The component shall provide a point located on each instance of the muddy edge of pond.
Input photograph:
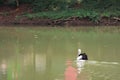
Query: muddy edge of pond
(60, 22)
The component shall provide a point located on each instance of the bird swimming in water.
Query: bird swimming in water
(81, 56)
(81, 59)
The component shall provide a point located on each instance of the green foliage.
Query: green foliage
(42, 5)
(81, 13)
(101, 4)
(93, 15)
(111, 13)
(62, 9)
(89, 3)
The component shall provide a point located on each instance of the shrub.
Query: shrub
(101, 4)
(42, 5)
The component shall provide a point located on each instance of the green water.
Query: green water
(37, 53)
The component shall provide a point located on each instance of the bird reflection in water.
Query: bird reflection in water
(3, 70)
(70, 71)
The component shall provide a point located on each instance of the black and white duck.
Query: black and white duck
(81, 56)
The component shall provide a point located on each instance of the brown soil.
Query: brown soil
(8, 17)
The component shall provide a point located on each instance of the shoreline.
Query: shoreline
(60, 22)
(12, 16)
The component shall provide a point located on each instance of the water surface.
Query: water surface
(37, 53)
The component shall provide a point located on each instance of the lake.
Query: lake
(49, 53)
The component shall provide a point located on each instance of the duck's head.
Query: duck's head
(79, 51)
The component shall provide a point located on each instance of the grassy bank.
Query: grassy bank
(93, 15)
(72, 16)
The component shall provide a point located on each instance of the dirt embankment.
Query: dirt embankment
(8, 16)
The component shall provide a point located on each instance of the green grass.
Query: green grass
(94, 15)
(63, 14)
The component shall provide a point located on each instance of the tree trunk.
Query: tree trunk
(17, 3)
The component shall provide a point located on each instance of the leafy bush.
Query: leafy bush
(42, 5)
(101, 4)
(81, 13)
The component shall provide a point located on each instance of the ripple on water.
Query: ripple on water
(102, 62)
(102, 70)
